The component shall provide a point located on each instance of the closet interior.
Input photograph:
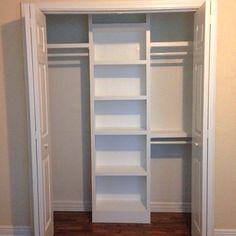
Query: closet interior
(120, 89)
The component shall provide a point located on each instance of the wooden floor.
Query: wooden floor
(162, 224)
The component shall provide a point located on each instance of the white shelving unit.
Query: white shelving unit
(119, 74)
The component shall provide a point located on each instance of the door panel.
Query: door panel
(40, 65)
(199, 124)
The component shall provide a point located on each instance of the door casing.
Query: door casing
(91, 7)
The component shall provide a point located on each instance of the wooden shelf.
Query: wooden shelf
(119, 98)
(120, 171)
(123, 131)
(169, 134)
(120, 205)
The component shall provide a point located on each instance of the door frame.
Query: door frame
(114, 6)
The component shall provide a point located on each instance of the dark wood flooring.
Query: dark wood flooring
(162, 224)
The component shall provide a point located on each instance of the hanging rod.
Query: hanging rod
(68, 54)
(64, 63)
(172, 44)
(170, 53)
(67, 45)
(171, 142)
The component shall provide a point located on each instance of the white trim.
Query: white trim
(225, 232)
(71, 206)
(11, 230)
(154, 206)
(171, 207)
(211, 121)
(105, 6)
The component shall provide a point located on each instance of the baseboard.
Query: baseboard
(155, 206)
(11, 230)
(170, 207)
(225, 232)
(71, 206)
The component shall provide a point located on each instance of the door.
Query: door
(200, 121)
(36, 45)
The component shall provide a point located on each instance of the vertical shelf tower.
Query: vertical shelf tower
(119, 47)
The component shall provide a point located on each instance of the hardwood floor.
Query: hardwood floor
(162, 224)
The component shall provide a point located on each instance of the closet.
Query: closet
(119, 99)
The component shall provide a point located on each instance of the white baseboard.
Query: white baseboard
(170, 207)
(225, 232)
(11, 230)
(155, 206)
(71, 206)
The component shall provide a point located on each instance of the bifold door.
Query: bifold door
(38, 82)
(200, 119)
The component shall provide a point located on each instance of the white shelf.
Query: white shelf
(117, 98)
(123, 62)
(169, 134)
(120, 205)
(172, 44)
(123, 131)
(67, 45)
(120, 171)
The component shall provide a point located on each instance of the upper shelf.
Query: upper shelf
(169, 134)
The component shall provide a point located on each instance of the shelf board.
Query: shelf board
(120, 171)
(123, 62)
(117, 98)
(115, 205)
(67, 45)
(120, 131)
(169, 134)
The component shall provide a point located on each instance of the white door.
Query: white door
(200, 118)
(39, 81)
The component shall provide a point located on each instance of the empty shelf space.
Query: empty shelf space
(116, 42)
(122, 98)
(120, 80)
(121, 153)
(120, 114)
(120, 171)
(123, 193)
(120, 205)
